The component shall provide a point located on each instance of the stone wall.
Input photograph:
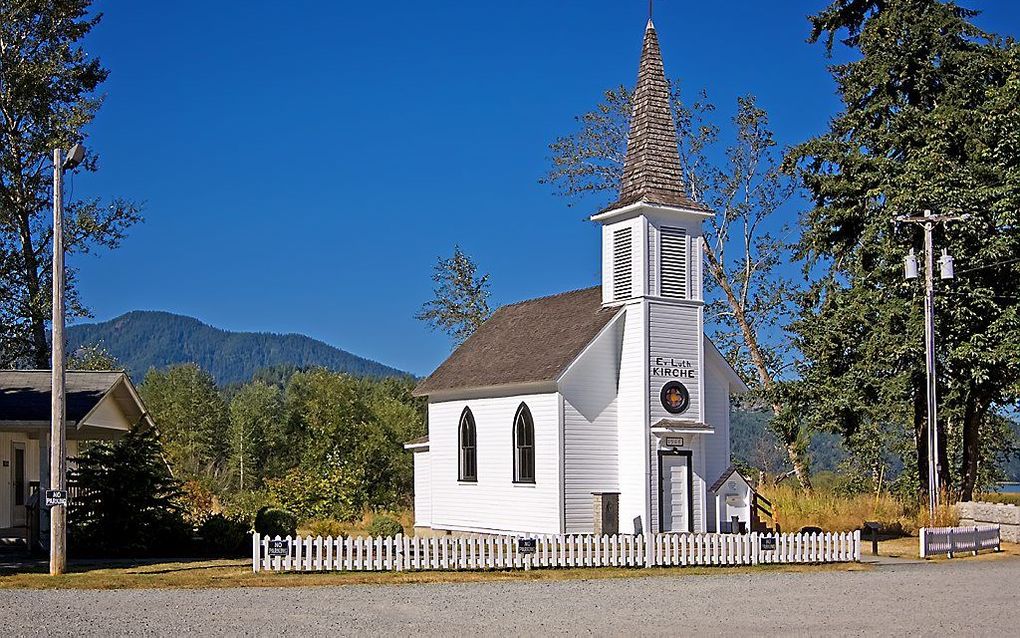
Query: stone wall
(981, 513)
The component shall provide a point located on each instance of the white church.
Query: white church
(598, 410)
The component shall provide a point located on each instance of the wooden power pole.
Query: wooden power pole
(58, 430)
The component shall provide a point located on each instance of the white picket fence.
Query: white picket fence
(406, 553)
(952, 540)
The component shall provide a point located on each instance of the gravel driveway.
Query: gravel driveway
(965, 597)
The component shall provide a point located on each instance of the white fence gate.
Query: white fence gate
(950, 540)
(404, 553)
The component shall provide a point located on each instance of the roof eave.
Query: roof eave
(636, 208)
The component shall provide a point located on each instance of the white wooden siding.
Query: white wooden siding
(7, 473)
(717, 414)
(632, 428)
(675, 333)
(422, 489)
(589, 427)
(495, 503)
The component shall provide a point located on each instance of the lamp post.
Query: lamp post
(58, 413)
(928, 221)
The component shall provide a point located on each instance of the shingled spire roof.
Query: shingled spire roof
(651, 170)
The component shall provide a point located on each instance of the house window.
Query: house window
(673, 259)
(524, 446)
(622, 266)
(468, 450)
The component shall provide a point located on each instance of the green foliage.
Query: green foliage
(244, 506)
(48, 96)
(460, 300)
(143, 340)
(225, 536)
(192, 419)
(256, 434)
(130, 507)
(92, 357)
(275, 521)
(326, 527)
(931, 121)
(384, 525)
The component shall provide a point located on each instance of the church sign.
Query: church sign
(672, 368)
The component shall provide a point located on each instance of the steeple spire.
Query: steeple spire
(651, 170)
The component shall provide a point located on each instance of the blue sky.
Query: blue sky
(303, 164)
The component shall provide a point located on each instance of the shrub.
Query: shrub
(327, 527)
(385, 525)
(197, 502)
(274, 521)
(244, 506)
(225, 536)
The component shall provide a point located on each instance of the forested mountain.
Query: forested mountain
(141, 340)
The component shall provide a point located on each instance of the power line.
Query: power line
(993, 265)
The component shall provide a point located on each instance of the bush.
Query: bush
(327, 527)
(274, 521)
(384, 525)
(225, 536)
(244, 506)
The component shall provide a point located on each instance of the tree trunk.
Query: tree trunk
(974, 413)
(787, 435)
(921, 438)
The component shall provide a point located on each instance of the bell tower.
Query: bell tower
(652, 269)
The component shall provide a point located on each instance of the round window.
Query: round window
(675, 397)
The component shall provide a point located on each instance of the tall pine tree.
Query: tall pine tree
(930, 121)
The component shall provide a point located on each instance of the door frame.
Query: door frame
(690, 486)
(17, 521)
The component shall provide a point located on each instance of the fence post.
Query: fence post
(857, 545)
(952, 543)
(256, 552)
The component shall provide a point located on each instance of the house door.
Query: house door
(675, 491)
(19, 486)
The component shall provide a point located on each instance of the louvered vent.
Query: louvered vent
(673, 255)
(622, 266)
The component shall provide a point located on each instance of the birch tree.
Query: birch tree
(745, 243)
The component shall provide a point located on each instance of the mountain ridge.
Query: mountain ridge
(146, 339)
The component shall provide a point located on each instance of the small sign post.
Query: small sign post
(56, 497)
(526, 547)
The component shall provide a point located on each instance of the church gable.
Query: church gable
(532, 341)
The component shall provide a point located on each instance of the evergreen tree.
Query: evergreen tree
(461, 297)
(930, 121)
(130, 506)
(48, 97)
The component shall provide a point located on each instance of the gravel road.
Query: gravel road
(962, 597)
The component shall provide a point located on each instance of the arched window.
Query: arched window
(524, 446)
(468, 452)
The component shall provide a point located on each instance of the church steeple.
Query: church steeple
(651, 170)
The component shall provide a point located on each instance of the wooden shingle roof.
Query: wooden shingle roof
(528, 342)
(651, 169)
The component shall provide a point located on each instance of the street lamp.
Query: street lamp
(928, 221)
(58, 413)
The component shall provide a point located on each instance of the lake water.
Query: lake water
(1008, 488)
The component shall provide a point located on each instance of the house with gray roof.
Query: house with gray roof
(597, 410)
(100, 405)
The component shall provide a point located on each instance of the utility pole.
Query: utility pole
(928, 221)
(58, 430)
(58, 412)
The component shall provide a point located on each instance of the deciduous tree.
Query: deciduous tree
(460, 300)
(48, 96)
